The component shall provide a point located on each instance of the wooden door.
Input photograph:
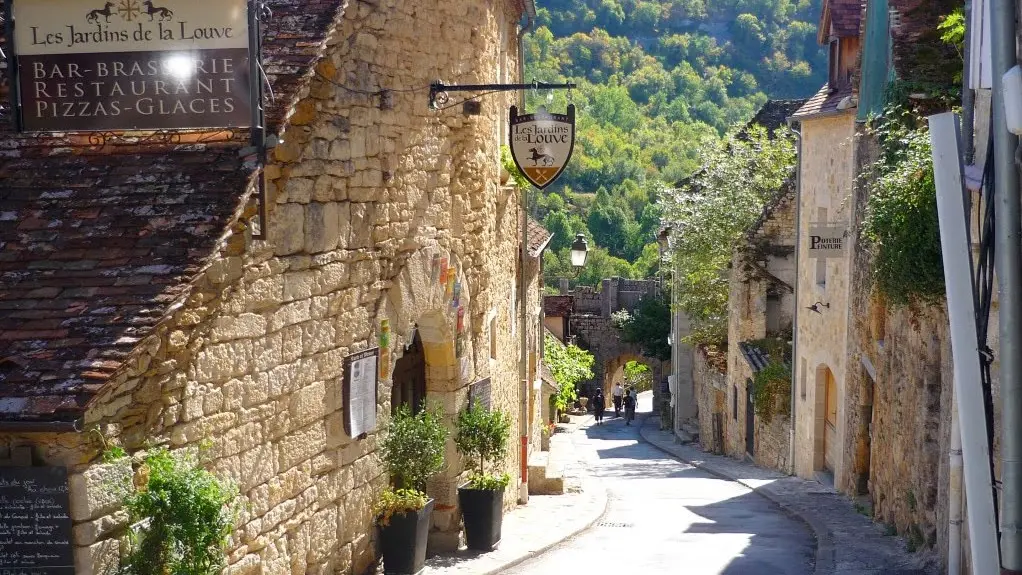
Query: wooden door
(830, 447)
(410, 378)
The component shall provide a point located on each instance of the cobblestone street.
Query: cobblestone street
(664, 514)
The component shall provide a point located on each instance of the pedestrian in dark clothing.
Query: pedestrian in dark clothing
(598, 406)
(629, 401)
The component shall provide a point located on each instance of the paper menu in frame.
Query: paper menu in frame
(360, 389)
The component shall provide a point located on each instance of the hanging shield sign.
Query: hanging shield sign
(541, 144)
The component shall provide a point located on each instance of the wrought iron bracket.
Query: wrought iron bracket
(439, 93)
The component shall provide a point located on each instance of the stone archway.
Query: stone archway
(419, 311)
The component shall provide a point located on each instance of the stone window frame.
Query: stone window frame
(491, 322)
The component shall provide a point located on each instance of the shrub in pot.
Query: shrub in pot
(481, 438)
(413, 451)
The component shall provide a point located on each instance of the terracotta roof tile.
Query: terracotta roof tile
(842, 18)
(823, 103)
(539, 237)
(77, 294)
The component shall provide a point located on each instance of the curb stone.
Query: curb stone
(825, 550)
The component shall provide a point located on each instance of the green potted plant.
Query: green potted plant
(481, 438)
(413, 451)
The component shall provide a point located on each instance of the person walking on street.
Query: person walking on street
(618, 393)
(629, 401)
(598, 406)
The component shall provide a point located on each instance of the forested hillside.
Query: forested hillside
(656, 77)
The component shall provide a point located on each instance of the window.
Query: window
(821, 263)
(834, 61)
(802, 378)
(734, 402)
(773, 312)
(493, 337)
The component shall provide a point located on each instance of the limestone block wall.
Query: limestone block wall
(369, 190)
(828, 170)
(713, 400)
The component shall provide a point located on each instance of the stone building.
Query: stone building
(761, 305)
(138, 307)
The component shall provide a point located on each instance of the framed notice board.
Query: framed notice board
(361, 378)
(35, 521)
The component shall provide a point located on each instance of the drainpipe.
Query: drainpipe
(954, 553)
(794, 316)
(1008, 254)
(968, 94)
(523, 368)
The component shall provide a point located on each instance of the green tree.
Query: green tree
(649, 327)
(570, 366)
(709, 214)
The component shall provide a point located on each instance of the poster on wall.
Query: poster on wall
(360, 388)
(541, 144)
(130, 64)
(35, 521)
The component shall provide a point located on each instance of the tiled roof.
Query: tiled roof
(92, 251)
(539, 237)
(823, 103)
(775, 113)
(96, 241)
(844, 18)
(558, 305)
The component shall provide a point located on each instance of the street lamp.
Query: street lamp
(579, 253)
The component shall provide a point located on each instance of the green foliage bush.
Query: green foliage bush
(185, 514)
(649, 327)
(413, 448)
(901, 224)
(482, 437)
(771, 386)
(570, 365)
(398, 501)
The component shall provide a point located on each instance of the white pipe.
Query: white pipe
(968, 392)
(954, 553)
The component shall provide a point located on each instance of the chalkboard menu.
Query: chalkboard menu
(479, 393)
(35, 522)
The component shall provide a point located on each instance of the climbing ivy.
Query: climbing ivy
(771, 386)
(900, 225)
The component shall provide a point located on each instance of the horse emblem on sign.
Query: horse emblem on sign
(541, 144)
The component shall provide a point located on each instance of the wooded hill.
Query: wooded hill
(656, 78)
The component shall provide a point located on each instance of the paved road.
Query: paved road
(668, 517)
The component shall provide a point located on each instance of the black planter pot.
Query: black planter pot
(403, 541)
(482, 510)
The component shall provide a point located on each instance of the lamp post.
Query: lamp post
(579, 253)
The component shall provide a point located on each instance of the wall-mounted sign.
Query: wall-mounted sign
(130, 64)
(827, 240)
(35, 522)
(480, 393)
(359, 388)
(541, 144)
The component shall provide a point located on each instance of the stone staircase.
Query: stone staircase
(553, 472)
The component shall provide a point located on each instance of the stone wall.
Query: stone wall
(368, 191)
(828, 170)
(712, 400)
(761, 304)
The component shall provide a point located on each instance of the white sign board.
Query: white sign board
(359, 388)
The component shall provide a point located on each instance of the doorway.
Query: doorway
(410, 378)
(864, 435)
(830, 447)
(750, 420)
